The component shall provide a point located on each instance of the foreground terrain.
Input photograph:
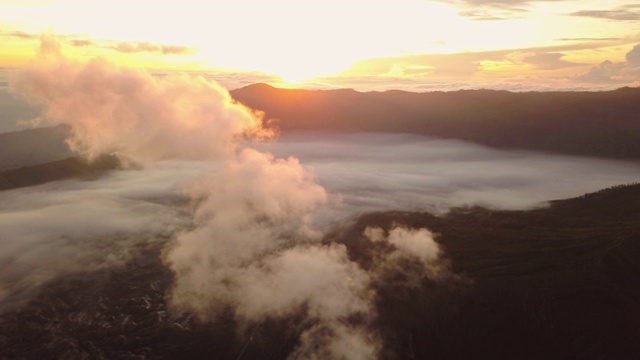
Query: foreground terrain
(553, 283)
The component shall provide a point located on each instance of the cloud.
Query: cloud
(491, 14)
(55, 229)
(80, 41)
(465, 65)
(255, 249)
(146, 47)
(499, 2)
(588, 39)
(418, 243)
(248, 241)
(633, 56)
(545, 60)
(20, 35)
(235, 79)
(126, 110)
(610, 72)
(49, 46)
(489, 10)
(405, 257)
(500, 69)
(620, 15)
(431, 66)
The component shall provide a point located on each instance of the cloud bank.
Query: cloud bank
(377, 171)
(622, 72)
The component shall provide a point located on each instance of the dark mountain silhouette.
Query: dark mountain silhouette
(601, 124)
(33, 146)
(56, 170)
(553, 283)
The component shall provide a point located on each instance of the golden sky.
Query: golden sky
(406, 44)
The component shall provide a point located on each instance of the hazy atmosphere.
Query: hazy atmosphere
(409, 44)
(319, 180)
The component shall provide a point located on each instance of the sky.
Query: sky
(415, 45)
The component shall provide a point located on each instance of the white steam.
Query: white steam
(119, 109)
(251, 243)
(408, 244)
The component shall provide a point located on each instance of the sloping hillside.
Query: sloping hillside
(56, 170)
(602, 124)
(554, 283)
(33, 146)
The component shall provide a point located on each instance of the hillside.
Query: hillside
(601, 124)
(33, 146)
(554, 283)
(56, 170)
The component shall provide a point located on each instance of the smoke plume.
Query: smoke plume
(112, 108)
(250, 242)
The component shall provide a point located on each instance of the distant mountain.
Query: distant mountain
(16, 112)
(553, 283)
(33, 146)
(601, 124)
(56, 170)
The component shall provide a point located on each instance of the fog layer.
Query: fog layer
(381, 171)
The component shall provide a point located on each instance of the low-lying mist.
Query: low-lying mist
(382, 171)
(74, 225)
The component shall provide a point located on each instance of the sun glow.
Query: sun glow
(302, 41)
(294, 40)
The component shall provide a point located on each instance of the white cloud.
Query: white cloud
(249, 242)
(623, 72)
(112, 108)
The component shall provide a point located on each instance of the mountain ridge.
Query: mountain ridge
(597, 124)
